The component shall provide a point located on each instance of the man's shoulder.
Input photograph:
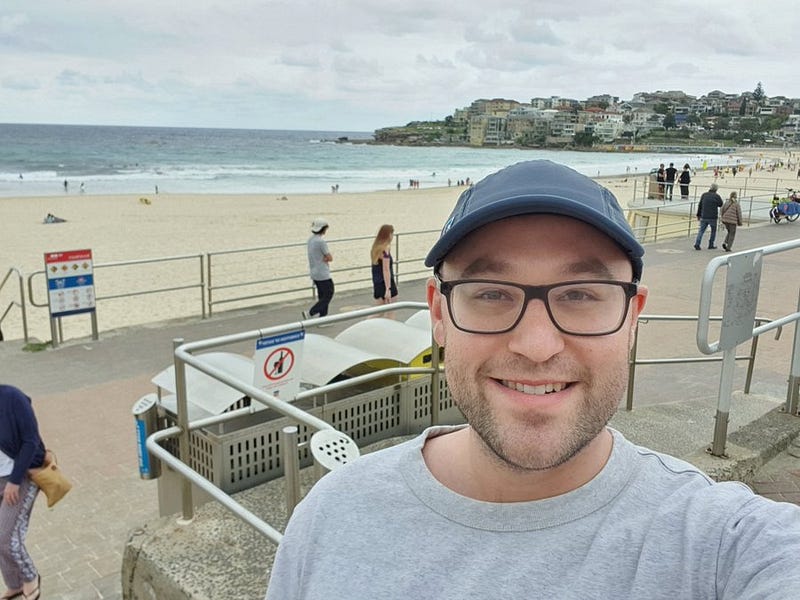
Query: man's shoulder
(677, 481)
(372, 467)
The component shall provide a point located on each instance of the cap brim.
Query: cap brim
(537, 187)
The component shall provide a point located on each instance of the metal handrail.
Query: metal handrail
(752, 259)
(634, 360)
(21, 303)
(184, 356)
(126, 263)
(299, 249)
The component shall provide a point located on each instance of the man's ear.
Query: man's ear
(637, 306)
(436, 305)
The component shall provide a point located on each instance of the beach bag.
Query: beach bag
(50, 479)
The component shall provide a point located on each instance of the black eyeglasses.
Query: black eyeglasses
(585, 307)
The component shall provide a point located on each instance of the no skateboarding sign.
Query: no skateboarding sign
(277, 361)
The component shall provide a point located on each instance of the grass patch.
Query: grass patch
(36, 346)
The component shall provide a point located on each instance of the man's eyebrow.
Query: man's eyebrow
(591, 266)
(483, 267)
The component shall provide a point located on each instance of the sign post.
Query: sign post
(70, 287)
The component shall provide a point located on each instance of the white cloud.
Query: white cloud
(361, 64)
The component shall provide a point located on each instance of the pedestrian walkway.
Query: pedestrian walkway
(779, 479)
(83, 394)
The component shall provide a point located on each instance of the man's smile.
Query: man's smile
(535, 390)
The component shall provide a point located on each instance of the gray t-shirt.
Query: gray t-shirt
(317, 267)
(648, 526)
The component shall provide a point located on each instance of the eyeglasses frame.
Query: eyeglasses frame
(538, 292)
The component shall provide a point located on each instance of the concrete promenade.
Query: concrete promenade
(84, 390)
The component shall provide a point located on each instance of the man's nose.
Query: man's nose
(536, 337)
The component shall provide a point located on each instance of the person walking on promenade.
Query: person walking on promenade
(707, 214)
(661, 177)
(21, 448)
(684, 179)
(731, 217)
(669, 175)
(536, 497)
(384, 287)
(319, 259)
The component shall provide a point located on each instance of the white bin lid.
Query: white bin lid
(388, 337)
(324, 359)
(170, 403)
(421, 320)
(208, 394)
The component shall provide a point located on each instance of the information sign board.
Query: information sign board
(70, 282)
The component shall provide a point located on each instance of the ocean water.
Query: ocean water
(37, 159)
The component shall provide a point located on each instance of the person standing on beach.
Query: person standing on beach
(384, 287)
(670, 174)
(731, 217)
(707, 214)
(685, 178)
(319, 259)
(536, 496)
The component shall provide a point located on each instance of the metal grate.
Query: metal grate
(249, 454)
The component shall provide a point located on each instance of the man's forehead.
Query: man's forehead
(569, 246)
(589, 266)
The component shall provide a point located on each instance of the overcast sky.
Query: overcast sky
(356, 65)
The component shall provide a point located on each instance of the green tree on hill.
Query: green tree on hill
(758, 93)
(584, 139)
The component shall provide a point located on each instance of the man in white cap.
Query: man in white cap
(319, 258)
(535, 298)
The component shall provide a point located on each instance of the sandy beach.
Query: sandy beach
(126, 228)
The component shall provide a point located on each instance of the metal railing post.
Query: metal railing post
(209, 285)
(21, 281)
(632, 368)
(724, 402)
(184, 449)
(751, 361)
(22, 306)
(435, 383)
(291, 467)
(397, 258)
(794, 373)
(655, 232)
(202, 287)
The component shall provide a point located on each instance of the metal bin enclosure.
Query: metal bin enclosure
(246, 452)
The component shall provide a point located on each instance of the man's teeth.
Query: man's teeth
(537, 390)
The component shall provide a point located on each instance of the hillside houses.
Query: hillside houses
(559, 121)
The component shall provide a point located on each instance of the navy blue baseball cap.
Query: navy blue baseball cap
(537, 187)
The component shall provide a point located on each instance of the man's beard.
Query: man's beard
(541, 441)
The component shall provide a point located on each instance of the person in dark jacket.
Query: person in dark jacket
(685, 178)
(21, 448)
(707, 214)
(669, 174)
